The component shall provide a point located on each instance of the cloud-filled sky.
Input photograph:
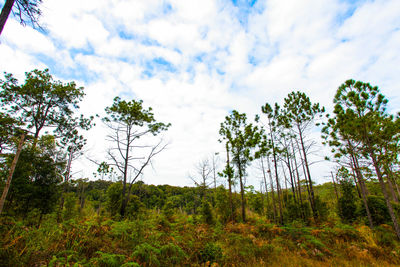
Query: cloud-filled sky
(194, 61)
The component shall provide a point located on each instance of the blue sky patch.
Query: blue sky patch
(244, 9)
(158, 65)
(352, 7)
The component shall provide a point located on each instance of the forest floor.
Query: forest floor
(180, 240)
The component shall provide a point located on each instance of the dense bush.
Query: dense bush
(347, 202)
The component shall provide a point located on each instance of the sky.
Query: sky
(195, 61)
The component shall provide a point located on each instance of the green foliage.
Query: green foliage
(206, 213)
(132, 113)
(107, 259)
(135, 207)
(171, 255)
(8, 131)
(222, 204)
(241, 138)
(347, 202)
(114, 193)
(70, 207)
(256, 202)
(297, 211)
(385, 236)
(147, 254)
(129, 121)
(321, 208)
(36, 178)
(210, 253)
(130, 264)
(42, 102)
(378, 209)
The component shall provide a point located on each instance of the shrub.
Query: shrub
(135, 207)
(347, 203)
(107, 260)
(210, 253)
(146, 253)
(69, 206)
(113, 203)
(206, 213)
(379, 211)
(171, 255)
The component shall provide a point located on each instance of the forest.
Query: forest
(50, 218)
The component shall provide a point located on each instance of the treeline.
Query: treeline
(41, 137)
(362, 135)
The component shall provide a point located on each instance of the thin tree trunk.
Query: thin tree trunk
(276, 172)
(364, 192)
(277, 184)
(390, 184)
(308, 173)
(11, 172)
(272, 188)
(285, 193)
(385, 194)
(298, 179)
(305, 175)
(66, 179)
(268, 204)
(334, 186)
(355, 181)
(229, 182)
(265, 182)
(215, 180)
(125, 175)
(242, 192)
(5, 13)
(291, 178)
(394, 182)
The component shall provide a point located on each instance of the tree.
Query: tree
(347, 202)
(345, 151)
(27, 11)
(228, 171)
(8, 131)
(360, 112)
(202, 177)
(242, 137)
(129, 121)
(299, 114)
(269, 147)
(11, 172)
(43, 103)
(37, 176)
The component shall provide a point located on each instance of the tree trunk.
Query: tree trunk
(242, 192)
(291, 178)
(229, 182)
(385, 194)
(390, 183)
(360, 179)
(298, 179)
(355, 181)
(5, 12)
(265, 183)
(277, 181)
(334, 186)
(308, 173)
(305, 176)
(394, 181)
(272, 189)
(125, 175)
(11, 172)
